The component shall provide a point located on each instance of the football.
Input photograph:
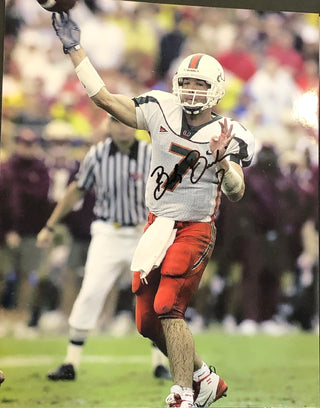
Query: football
(2, 377)
(57, 5)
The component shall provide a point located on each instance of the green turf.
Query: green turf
(261, 371)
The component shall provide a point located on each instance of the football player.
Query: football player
(196, 155)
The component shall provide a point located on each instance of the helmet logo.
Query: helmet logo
(220, 77)
(194, 63)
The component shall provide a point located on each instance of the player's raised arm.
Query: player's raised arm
(120, 106)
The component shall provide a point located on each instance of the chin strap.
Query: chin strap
(192, 111)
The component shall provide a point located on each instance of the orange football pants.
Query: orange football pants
(171, 287)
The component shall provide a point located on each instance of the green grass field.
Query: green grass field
(261, 371)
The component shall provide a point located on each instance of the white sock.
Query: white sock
(74, 352)
(158, 358)
(77, 339)
(202, 372)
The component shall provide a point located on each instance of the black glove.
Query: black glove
(67, 31)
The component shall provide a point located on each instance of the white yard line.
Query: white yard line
(25, 361)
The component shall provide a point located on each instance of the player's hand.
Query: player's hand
(219, 144)
(45, 238)
(67, 31)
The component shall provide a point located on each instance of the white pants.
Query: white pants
(109, 258)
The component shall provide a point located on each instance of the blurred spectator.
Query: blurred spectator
(78, 223)
(141, 42)
(303, 302)
(59, 137)
(282, 49)
(308, 78)
(105, 55)
(32, 50)
(7, 144)
(14, 20)
(70, 108)
(4, 211)
(263, 255)
(92, 5)
(24, 181)
(235, 88)
(295, 191)
(214, 30)
(12, 91)
(31, 13)
(272, 91)
(34, 110)
(170, 47)
(139, 32)
(239, 60)
(253, 237)
(64, 164)
(300, 297)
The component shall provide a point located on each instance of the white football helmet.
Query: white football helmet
(199, 66)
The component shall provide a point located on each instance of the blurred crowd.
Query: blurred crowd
(264, 270)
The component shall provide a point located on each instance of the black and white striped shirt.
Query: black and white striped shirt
(119, 181)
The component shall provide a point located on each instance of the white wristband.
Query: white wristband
(231, 181)
(89, 77)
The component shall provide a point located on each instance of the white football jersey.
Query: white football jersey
(182, 182)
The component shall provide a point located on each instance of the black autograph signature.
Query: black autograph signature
(193, 161)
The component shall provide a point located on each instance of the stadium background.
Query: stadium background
(131, 44)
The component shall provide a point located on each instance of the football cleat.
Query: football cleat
(209, 389)
(162, 372)
(179, 397)
(65, 372)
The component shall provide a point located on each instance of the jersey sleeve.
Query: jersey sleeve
(241, 147)
(147, 105)
(141, 120)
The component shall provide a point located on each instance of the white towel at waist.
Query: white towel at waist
(153, 246)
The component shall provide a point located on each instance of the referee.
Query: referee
(117, 169)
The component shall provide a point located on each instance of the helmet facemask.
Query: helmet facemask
(208, 70)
